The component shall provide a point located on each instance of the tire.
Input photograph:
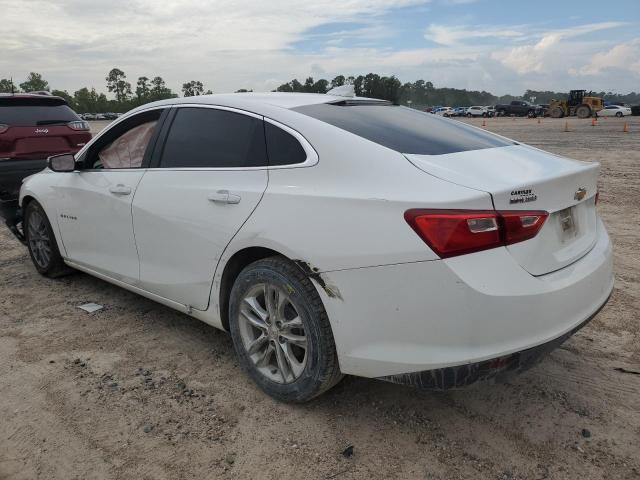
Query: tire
(279, 363)
(557, 112)
(469, 115)
(619, 114)
(484, 114)
(502, 113)
(41, 242)
(583, 111)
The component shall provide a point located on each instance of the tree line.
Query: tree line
(418, 94)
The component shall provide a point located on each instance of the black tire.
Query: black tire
(321, 370)
(469, 115)
(619, 114)
(41, 242)
(583, 111)
(501, 113)
(484, 114)
(557, 112)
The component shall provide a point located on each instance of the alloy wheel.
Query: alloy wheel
(273, 333)
(39, 240)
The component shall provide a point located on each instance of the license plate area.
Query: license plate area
(567, 222)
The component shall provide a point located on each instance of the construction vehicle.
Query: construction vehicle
(578, 104)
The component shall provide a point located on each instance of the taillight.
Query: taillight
(78, 125)
(3, 127)
(456, 232)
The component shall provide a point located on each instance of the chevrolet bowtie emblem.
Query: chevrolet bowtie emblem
(580, 194)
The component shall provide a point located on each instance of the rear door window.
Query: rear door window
(403, 129)
(214, 138)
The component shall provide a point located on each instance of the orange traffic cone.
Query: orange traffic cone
(594, 122)
(484, 123)
(538, 120)
(626, 128)
(566, 126)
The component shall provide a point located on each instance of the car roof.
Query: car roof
(254, 101)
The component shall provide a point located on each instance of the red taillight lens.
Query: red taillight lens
(521, 226)
(457, 232)
(3, 127)
(78, 125)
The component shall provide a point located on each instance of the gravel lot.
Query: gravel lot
(139, 391)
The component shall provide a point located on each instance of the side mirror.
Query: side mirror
(64, 162)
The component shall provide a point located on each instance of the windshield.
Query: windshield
(403, 129)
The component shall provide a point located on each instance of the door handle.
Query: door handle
(120, 189)
(223, 196)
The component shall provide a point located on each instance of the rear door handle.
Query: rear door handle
(120, 189)
(224, 196)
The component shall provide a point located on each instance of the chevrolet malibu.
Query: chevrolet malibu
(332, 235)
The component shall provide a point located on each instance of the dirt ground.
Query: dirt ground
(139, 391)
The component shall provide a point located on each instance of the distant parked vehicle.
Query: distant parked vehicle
(518, 108)
(477, 111)
(446, 112)
(491, 111)
(635, 110)
(110, 116)
(614, 111)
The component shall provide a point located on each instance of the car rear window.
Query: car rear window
(403, 129)
(29, 112)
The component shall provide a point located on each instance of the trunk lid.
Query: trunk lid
(520, 177)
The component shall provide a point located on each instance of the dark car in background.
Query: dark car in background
(32, 128)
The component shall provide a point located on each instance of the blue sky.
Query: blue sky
(496, 45)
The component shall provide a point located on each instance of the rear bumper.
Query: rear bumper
(413, 317)
(12, 172)
(496, 370)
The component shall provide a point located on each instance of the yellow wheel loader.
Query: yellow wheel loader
(578, 104)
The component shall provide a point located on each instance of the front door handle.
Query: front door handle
(224, 196)
(120, 189)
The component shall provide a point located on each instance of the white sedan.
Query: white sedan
(332, 235)
(614, 111)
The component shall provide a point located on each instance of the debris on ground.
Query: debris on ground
(90, 307)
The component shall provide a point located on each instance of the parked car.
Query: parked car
(478, 111)
(88, 116)
(446, 112)
(332, 235)
(110, 116)
(518, 108)
(613, 111)
(33, 127)
(491, 111)
(635, 110)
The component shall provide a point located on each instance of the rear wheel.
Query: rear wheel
(618, 114)
(281, 331)
(583, 111)
(41, 242)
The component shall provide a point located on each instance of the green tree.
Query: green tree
(243, 90)
(117, 83)
(7, 86)
(34, 83)
(338, 81)
(192, 88)
(143, 89)
(159, 90)
(87, 100)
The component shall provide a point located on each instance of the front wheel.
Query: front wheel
(281, 331)
(41, 242)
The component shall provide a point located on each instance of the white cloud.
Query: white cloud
(625, 56)
(456, 35)
(548, 50)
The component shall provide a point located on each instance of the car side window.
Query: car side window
(282, 147)
(125, 145)
(214, 138)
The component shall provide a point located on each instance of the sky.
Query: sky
(496, 45)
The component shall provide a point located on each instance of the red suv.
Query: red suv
(33, 127)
